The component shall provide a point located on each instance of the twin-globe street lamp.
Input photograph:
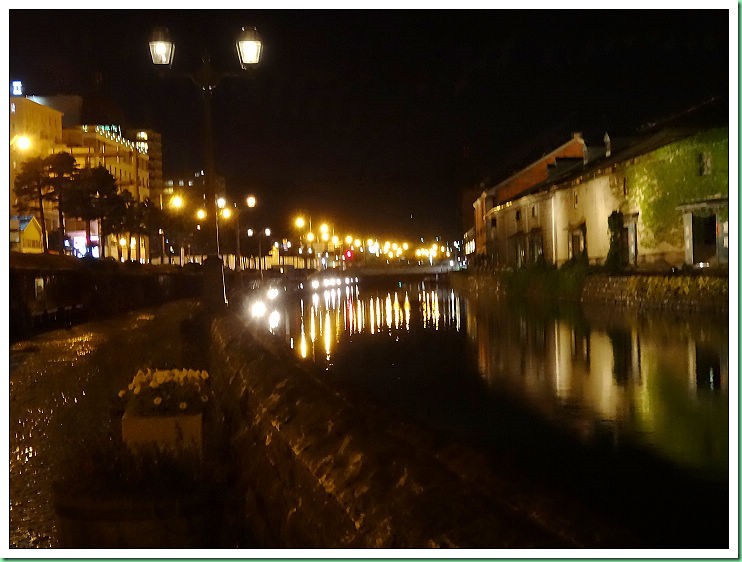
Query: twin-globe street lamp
(206, 78)
(266, 232)
(226, 212)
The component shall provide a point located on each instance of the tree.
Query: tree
(152, 223)
(61, 173)
(88, 198)
(114, 212)
(156, 222)
(31, 185)
(133, 222)
(178, 227)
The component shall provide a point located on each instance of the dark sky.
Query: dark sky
(379, 119)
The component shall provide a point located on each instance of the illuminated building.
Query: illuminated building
(35, 131)
(49, 124)
(103, 145)
(666, 191)
(150, 142)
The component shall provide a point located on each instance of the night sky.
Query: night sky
(380, 120)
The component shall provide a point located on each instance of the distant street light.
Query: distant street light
(176, 202)
(20, 142)
(206, 78)
(226, 212)
(251, 202)
(264, 233)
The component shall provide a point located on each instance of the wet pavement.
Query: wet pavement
(63, 386)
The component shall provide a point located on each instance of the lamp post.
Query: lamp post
(306, 239)
(206, 79)
(250, 201)
(265, 232)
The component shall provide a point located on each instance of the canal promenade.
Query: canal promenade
(62, 387)
(63, 384)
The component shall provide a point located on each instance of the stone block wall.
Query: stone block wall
(316, 471)
(686, 293)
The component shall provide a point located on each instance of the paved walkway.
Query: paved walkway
(63, 385)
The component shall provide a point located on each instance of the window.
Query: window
(534, 211)
(493, 223)
(574, 198)
(517, 215)
(38, 288)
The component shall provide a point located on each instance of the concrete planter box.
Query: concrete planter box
(169, 431)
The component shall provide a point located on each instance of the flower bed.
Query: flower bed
(155, 485)
(164, 408)
(166, 391)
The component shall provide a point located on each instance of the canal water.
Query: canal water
(628, 411)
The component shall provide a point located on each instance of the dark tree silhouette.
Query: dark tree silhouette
(31, 187)
(61, 173)
(87, 198)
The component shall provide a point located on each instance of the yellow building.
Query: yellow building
(103, 145)
(35, 131)
(150, 142)
(25, 235)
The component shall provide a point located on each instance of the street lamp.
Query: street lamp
(265, 232)
(206, 78)
(251, 202)
(226, 213)
(175, 204)
(249, 47)
(21, 143)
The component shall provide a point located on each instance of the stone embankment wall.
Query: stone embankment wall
(672, 292)
(683, 293)
(317, 471)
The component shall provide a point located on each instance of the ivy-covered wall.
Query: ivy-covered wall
(691, 169)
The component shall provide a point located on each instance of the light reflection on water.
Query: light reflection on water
(344, 313)
(650, 379)
(647, 379)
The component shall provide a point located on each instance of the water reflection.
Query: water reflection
(661, 382)
(645, 379)
(318, 321)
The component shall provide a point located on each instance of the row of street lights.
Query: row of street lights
(324, 248)
(224, 212)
